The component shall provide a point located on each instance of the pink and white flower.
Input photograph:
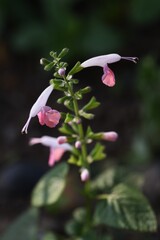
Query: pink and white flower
(56, 150)
(38, 105)
(108, 77)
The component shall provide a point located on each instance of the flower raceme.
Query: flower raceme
(108, 77)
(45, 114)
(56, 150)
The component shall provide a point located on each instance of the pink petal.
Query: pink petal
(55, 155)
(48, 117)
(108, 78)
(52, 118)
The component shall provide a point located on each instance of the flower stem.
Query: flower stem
(80, 126)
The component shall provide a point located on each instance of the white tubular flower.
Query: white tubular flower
(38, 105)
(108, 77)
(56, 150)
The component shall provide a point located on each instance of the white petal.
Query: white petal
(102, 60)
(41, 102)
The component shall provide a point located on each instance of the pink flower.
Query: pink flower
(56, 150)
(108, 77)
(84, 175)
(38, 105)
(49, 117)
(110, 136)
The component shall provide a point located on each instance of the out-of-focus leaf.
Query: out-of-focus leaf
(49, 236)
(50, 187)
(125, 208)
(24, 227)
(151, 13)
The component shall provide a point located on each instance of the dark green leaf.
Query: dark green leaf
(77, 67)
(126, 208)
(50, 187)
(91, 104)
(24, 227)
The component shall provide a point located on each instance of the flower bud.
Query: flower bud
(61, 71)
(85, 175)
(77, 144)
(110, 136)
(62, 139)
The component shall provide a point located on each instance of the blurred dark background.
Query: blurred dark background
(29, 30)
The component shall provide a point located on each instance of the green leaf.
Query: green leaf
(63, 99)
(69, 104)
(24, 227)
(66, 129)
(77, 67)
(63, 52)
(97, 153)
(86, 115)
(58, 84)
(69, 117)
(76, 225)
(49, 66)
(75, 160)
(91, 104)
(50, 187)
(79, 94)
(125, 208)
(49, 236)
(85, 90)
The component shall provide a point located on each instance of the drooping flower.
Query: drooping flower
(84, 175)
(38, 105)
(56, 150)
(110, 136)
(108, 77)
(49, 117)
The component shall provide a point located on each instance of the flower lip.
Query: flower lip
(49, 117)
